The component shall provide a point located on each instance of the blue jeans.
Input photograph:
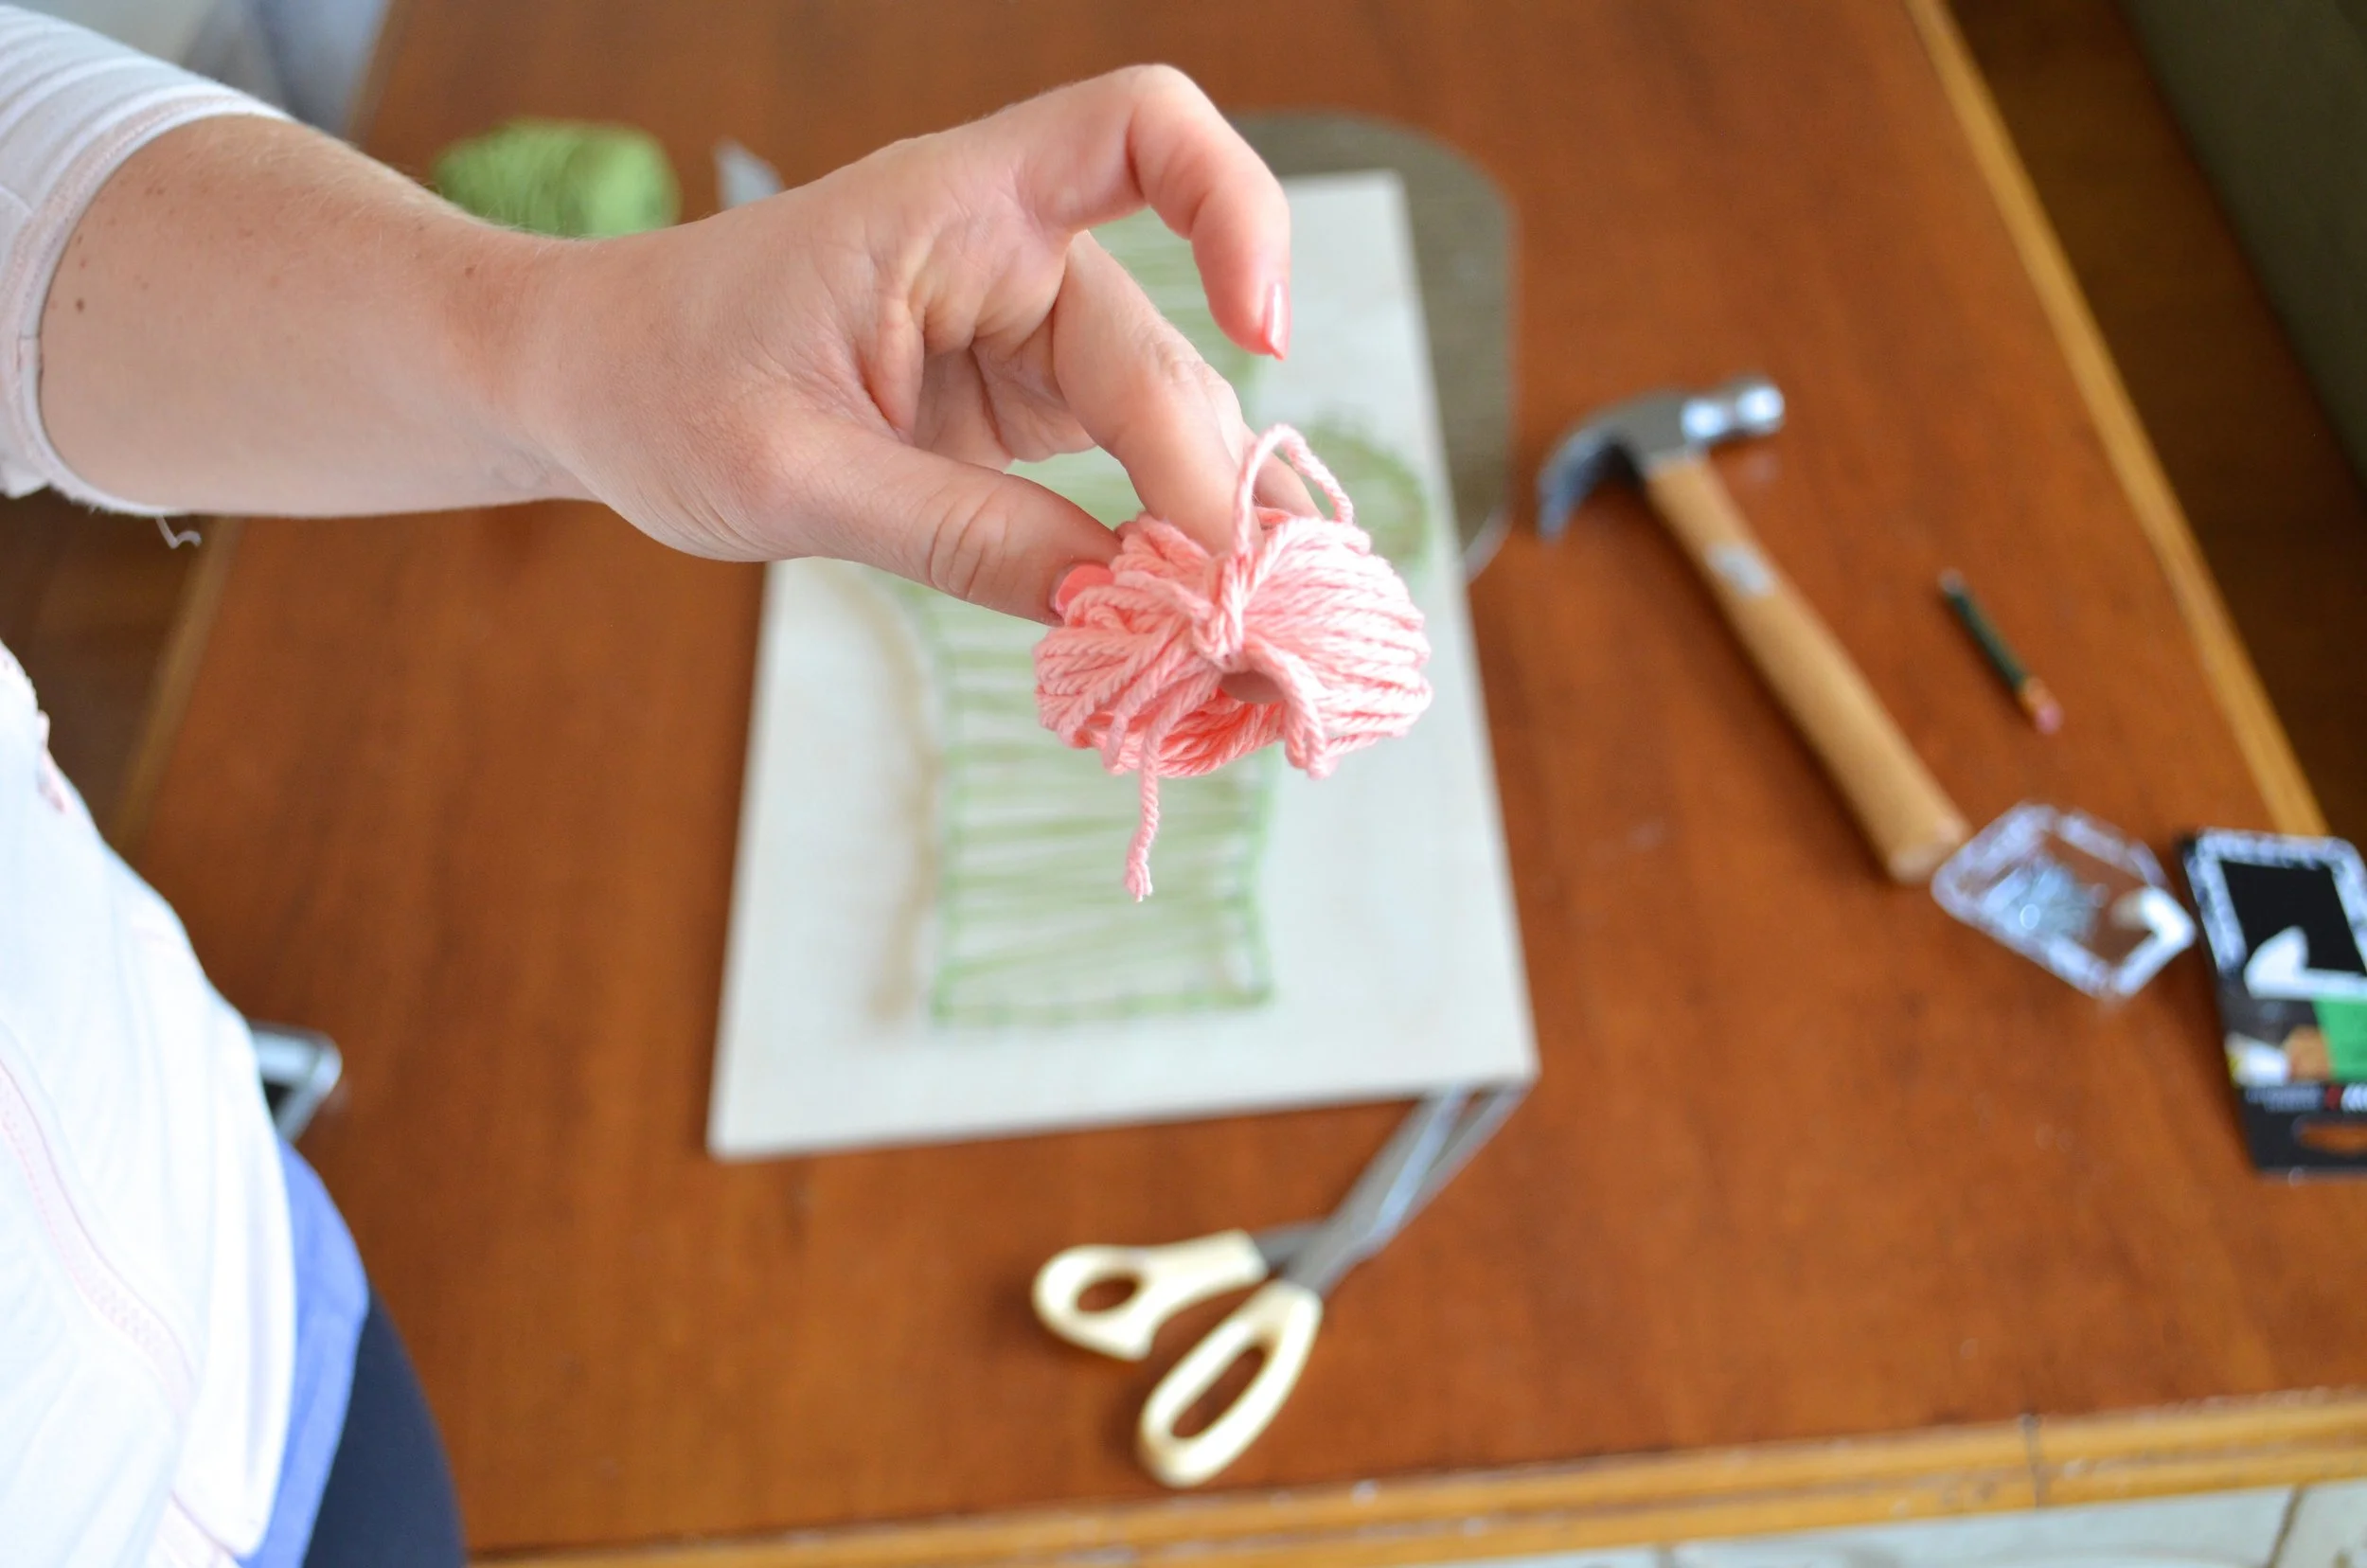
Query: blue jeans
(389, 1500)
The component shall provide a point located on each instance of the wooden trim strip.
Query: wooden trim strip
(169, 689)
(2206, 1447)
(2292, 805)
(2283, 1440)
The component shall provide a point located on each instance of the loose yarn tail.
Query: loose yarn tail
(1138, 851)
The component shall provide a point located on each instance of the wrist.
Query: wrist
(508, 324)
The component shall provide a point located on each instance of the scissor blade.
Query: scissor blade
(1481, 1117)
(1433, 1143)
(1377, 1204)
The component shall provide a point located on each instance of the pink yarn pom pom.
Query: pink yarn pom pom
(1136, 666)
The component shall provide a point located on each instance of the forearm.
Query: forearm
(251, 318)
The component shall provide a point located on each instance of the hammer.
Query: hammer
(1659, 438)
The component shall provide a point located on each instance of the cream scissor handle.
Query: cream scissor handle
(1165, 1280)
(1280, 1320)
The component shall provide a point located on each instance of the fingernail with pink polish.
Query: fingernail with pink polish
(1075, 581)
(1278, 320)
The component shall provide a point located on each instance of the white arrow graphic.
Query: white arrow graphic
(2279, 970)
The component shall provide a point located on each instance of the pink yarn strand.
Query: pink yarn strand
(1300, 457)
(1136, 667)
(1138, 852)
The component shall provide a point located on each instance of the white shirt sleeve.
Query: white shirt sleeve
(73, 107)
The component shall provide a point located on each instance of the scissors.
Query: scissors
(1295, 1268)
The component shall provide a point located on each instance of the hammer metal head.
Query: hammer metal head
(1637, 436)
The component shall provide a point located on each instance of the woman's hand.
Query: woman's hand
(846, 369)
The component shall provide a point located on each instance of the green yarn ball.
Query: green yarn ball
(562, 177)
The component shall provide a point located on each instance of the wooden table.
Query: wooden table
(1807, 1162)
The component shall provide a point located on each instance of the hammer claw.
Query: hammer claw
(1570, 476)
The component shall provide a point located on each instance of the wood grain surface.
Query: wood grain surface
(1808, 1159)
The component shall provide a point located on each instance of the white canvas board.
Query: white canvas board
(1387, 909)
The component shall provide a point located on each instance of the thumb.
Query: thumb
(991, 537)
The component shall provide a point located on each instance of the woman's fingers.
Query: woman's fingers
(993, 539)
(1280, 487)
(1143, 395)
(1099, 150)
(1146, 398)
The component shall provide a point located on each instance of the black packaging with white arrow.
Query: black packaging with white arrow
(2287, 923)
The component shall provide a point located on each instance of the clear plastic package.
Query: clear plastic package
(2070, 893)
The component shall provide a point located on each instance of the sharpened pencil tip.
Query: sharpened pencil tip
(2046, 714)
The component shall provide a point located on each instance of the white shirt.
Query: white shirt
(73, 106)
(147, 1292)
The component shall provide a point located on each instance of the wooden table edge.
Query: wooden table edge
(2278, 1440)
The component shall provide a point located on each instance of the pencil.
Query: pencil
(2031, 692)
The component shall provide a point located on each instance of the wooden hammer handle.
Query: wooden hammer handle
(1906, 816)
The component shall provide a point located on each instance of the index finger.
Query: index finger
(1094, 151)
